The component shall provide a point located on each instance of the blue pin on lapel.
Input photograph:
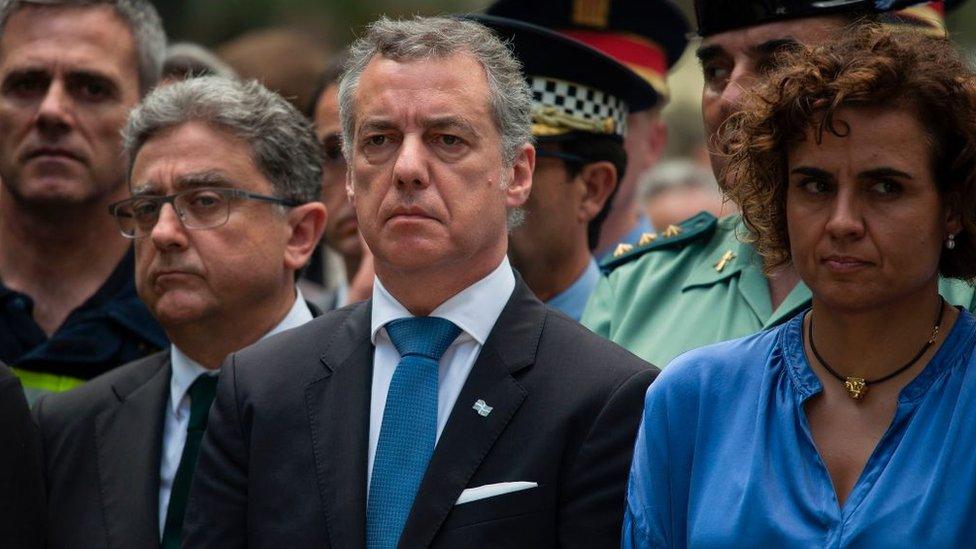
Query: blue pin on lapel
(482, 408)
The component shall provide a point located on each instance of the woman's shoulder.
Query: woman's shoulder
(728, 366)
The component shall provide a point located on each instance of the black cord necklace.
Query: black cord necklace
(858, 386)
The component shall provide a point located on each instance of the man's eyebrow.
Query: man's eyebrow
(376, 125)
(885, 171)
(811, 171)
(770, 47)
(205, 178)
(707, 53)
(451, 123)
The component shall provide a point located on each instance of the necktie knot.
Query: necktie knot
(426, 336)
(202, 393)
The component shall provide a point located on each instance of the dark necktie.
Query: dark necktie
(202, 394)
(409, 427)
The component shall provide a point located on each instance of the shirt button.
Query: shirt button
(19, 304)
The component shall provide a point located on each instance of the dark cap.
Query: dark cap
(575, 88)
(648, 36)
(717, 16)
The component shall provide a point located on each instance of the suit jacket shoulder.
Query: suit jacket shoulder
(101, 447)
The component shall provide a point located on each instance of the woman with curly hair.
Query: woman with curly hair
(850, 425)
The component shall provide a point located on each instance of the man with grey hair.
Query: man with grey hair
(225, 180)
(453, 409)
(70, 71)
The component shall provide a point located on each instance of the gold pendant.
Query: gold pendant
(856, 387)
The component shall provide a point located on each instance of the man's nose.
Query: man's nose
(411, 163)
(168, 232)
(55, 114)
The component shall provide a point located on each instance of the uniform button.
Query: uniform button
(19, 304)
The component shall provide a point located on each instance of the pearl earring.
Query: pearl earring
(950, 243)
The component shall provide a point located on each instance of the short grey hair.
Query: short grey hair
(283, 145)
(438, 37)
(139, 15)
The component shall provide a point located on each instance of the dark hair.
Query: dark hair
(595, 148)
(331, 75)
(868, 66)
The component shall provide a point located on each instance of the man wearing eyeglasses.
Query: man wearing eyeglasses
(70, 71)
(225, 180)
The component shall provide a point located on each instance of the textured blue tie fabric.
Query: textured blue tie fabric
(409, 428)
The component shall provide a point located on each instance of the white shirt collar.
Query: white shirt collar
(474, 309)
(186, 370)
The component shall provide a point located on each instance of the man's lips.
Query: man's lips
(164, 276)
(410, 213)
(53, 152)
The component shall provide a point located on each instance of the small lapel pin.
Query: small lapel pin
(482, 408)
(726, 258)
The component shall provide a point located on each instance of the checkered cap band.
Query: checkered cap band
(559, 107)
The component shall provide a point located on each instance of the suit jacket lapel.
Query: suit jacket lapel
(337, 402)
(468, 436)
(128, 440)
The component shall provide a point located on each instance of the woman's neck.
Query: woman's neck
(872, 343)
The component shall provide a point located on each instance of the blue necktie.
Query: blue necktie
(409, 427)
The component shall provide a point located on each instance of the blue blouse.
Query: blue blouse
(725, 456)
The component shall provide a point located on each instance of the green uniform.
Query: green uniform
(697, 287)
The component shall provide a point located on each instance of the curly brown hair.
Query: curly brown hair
(866, 66)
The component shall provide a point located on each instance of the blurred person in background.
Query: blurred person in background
(225, 178)
(188, 60)
(70, 71)
(648, 36)
(580, 101)
(850, 425)
(288, 61)
(342, 237)
(675, 190)
(701, 284)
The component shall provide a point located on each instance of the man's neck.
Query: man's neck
(422, 292)
(550, 276)
(58, 260)
(210, 341)
(616, 227)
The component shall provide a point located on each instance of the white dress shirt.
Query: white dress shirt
(474, 309)
(185, 372)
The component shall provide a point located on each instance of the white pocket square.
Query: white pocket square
(492, 490)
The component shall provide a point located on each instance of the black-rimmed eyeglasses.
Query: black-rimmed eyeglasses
(203, 208)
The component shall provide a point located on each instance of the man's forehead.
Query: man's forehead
(430, 90)
(807, 30)
(74, 35)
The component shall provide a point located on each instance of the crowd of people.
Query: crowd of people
(542, 335)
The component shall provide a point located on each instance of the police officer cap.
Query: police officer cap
(646, 35)
(575, 88)
(716, 16)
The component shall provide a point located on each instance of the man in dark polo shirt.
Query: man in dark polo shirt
(70, 71)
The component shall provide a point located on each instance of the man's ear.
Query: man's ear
(306, 224)
(599, 180)
(518, 189)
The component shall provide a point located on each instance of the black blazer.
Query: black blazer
(283, 463)
(21, 484)
(102, 444)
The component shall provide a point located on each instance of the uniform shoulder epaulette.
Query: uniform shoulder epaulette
(690, 230)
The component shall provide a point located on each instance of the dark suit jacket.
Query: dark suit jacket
(21, 484)
(102, 444)
(283, 462)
